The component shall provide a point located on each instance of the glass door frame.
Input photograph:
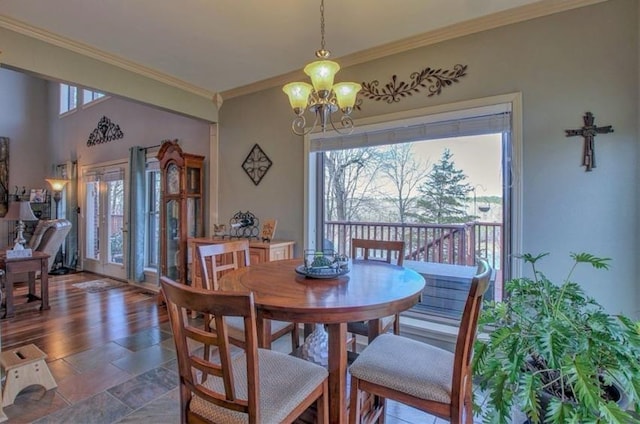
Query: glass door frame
(102, 265)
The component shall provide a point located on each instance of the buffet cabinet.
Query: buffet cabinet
(259, 252)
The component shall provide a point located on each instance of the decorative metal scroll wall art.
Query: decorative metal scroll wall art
(105, 132)
(589, 131)
(434, 80)
(256, 164)
(244, 225)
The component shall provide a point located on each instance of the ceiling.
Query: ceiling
(221, 45)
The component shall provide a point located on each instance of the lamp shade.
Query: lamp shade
(20, 211)
(346, 93)
(321, 73)
(298, 93)
(57, 184)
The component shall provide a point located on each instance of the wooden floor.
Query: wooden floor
(78, 319)
(112, 356)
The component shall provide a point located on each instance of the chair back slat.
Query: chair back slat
(182, 299)
(215, 260)
(467, 332)
(371, 249)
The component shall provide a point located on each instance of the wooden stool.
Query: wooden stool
(24, 367)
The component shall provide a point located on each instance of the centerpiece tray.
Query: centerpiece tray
(326, 264)
(325, 272)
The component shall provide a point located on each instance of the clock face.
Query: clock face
(173, 179)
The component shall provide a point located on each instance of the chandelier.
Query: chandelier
(323, 98)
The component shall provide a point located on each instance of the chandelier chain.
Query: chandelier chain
(322, 24)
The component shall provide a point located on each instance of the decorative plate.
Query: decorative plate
(321, 272)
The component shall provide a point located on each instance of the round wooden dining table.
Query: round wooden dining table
(371, 290)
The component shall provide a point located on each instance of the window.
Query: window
(68, 98)
(89, 96)
(69, 95)
(388, 189)
(152, 242)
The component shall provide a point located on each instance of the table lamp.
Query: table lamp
(20, 211)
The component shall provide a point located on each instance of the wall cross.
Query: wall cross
(589, 132)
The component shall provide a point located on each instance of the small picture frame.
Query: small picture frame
(219, 230)
(38, 195)
(268, 229)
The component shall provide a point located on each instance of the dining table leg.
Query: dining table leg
(337, 373)
(263, 328)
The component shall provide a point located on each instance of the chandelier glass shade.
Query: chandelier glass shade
(322, 97)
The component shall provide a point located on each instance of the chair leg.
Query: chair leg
(396, 325)
(322, 405)
(295, 337)
(354, 403)
(468, 401)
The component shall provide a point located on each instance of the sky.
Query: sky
(479, 156)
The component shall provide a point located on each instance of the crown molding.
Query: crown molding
(495, 20)
(86, 50)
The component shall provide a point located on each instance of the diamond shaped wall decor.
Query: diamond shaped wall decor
(256, 164)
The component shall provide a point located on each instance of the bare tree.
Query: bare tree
(349, 180)
(400, 167)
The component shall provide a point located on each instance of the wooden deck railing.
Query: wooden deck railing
(458, 244)
(455, 244)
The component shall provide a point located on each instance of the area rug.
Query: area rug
(95, 286)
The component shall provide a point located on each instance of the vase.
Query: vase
(315, 346)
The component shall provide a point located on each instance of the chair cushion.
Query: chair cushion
(235, 326)
(285, 381)
(362, 327)
(408, 366)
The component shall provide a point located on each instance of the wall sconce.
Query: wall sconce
(57, 185)
(20, 211)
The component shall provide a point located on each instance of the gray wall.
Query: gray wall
(142, 126)
(24, 118)
(40, 139)
(564, 65)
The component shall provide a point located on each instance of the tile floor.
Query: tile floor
(130, 380)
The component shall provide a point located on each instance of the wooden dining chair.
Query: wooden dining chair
(255, 386)
(217, 259)
(425, 377)
(376, 250)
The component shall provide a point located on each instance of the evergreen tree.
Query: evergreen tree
(444, 193)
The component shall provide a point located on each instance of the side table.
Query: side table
(39, 261)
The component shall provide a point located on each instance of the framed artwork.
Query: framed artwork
(268, 229)
(38, 195)
(4, 175)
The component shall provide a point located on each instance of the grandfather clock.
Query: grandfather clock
(181, 208)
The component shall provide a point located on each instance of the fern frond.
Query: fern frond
(612, 414)
(596, 262)
(586, 385)
(531, 259)
(558, 411)
(530, 387)
(501, 397)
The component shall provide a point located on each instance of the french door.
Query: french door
(103, 211)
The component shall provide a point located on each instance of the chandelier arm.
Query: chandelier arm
(299, 123)
(347, 125)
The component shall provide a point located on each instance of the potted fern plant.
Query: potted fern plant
(556, 355)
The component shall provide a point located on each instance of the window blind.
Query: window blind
(112, 174)
(485, 120)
